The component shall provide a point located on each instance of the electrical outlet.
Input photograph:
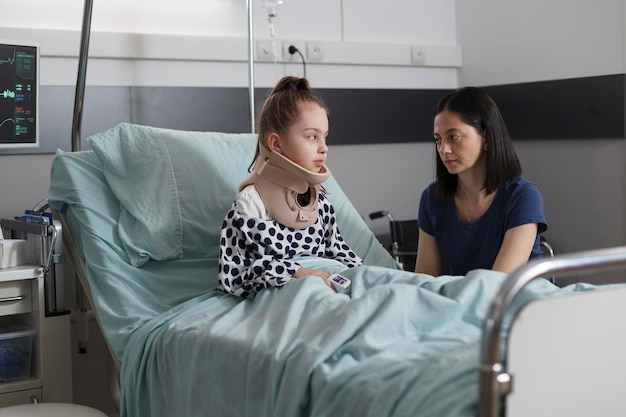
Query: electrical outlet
(314, 52)
(267, 50)
(418, 57)
(296, 56)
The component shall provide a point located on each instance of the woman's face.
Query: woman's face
(305, 141)
(459, 145)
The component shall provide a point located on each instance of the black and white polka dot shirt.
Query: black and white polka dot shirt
(257, 253)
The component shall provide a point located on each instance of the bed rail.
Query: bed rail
(495, 382)
(113, 363)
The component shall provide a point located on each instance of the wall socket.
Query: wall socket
(314, 52)
(267, 50)
(296, 56)
(418, 57)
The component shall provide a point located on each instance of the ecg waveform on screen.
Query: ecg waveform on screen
(6, 121)
(8, 94)
(7, 127)
(10, 60)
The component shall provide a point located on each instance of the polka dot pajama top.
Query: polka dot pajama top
(257, 253)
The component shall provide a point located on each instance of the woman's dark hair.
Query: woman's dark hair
(476, 108)
(281, 108)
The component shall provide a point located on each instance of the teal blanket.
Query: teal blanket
(402, 344)
(146, 205)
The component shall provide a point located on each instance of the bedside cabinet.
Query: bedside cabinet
(22, 301)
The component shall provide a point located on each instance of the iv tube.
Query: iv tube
(271, 6)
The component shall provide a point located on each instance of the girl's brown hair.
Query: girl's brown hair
(281, 108)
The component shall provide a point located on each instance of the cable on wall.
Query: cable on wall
(292, 50)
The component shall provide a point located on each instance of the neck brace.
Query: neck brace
(279, 182)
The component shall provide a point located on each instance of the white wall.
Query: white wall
(583, 181)
(535, 40)
(399, 22)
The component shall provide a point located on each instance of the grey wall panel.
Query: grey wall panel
(585, 108)
(190, 108)
(357, 116)
(104, 107)
(380, 116)
(577, 108)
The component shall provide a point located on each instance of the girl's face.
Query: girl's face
(460, 146)
(305, 141)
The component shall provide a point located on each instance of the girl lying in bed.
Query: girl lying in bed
(280, 212)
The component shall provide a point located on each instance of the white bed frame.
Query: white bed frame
(565, 356)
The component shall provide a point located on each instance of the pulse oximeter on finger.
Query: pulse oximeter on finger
(342, 284)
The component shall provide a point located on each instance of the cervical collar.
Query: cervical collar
(279, 182)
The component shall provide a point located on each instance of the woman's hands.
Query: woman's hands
(428, 258)
(303, 272)
(516, 247)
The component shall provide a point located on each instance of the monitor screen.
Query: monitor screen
(19, 91)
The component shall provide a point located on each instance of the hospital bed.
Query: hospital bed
(142, 211)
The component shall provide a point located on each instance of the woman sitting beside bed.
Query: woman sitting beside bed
(480, 212)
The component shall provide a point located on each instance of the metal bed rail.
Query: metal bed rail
(85, 297)
(495, 382)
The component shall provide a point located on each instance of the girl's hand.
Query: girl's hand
(303, 272)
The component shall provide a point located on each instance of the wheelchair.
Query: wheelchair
(404, 234)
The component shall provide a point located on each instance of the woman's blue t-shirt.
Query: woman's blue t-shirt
(467, 246)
